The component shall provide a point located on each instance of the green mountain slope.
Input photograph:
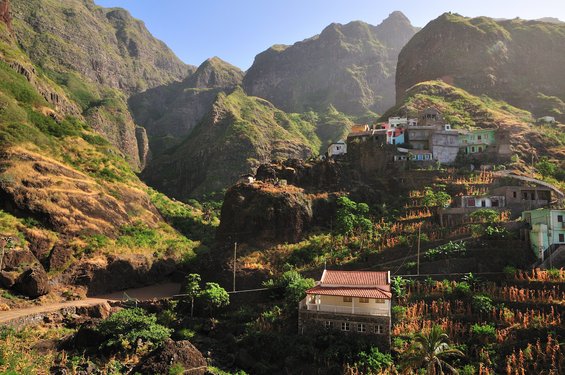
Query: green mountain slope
(239, 133)
(71, 200)
(99, 57)
(518, 61)
(170, 112)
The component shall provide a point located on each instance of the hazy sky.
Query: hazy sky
(237, 30)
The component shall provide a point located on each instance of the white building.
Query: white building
(337, 148)
(350, 301)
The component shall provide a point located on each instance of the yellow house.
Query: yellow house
(350, 301)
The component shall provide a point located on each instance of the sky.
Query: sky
(237, 30)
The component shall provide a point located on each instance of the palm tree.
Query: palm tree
(431, 350)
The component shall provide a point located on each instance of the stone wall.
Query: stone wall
(307, 320)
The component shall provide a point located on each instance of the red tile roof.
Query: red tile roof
(351, 292)
(355, 278)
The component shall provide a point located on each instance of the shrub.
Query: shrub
(509, 272)
(373, 361)
(125, 329)
(482, 304)
(399, 312)
(447, 250)
(484, 330)
(214, 297)
(462, 289)
(293, 286)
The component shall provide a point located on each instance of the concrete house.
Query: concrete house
(477, 141)
(350, 301)
(445, 145)
(394, 134)
(496, 201)
(337, 148)
(521, 198)
(546, 230)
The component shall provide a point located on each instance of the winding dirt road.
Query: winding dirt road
(158, 291)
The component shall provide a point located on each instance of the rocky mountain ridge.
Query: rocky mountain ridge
(349, 66)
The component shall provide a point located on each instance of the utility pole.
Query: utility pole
(418, 262)
(234, 258)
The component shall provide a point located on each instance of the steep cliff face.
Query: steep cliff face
(238, 134)
(517, 61)
(170, 112)
(107, 46)
(5, 15)
(100, 57)
(350, 66)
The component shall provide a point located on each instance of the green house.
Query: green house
(477, 141)
(546, 229)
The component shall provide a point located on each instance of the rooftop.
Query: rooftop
(354, 278)
(377, 293)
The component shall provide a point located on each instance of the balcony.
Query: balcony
(350, 310)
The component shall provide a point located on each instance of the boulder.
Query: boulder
(33, 282)
(17, 259)
(181, 353)
(8, 279)
(60, 257)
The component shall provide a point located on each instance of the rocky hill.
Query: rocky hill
(517, 61)
(351, 67)
(236, 135)
(99, 57)
(170, 112)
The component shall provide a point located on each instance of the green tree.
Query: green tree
(214, 297)
(431, 350)
(398, 287)
(436, 198)
(128, 328)
(293, 285)
(192, 289)
(352, 218)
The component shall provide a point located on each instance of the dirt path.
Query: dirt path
(142, 294)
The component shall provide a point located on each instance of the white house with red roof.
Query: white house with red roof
(350, 301)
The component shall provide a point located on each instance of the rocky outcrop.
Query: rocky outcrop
(235, 137)
(263, 212)
(113, 273)
(518, 61)
(171, 353)
(33, 283)
(170, 113)
(351, 66)
(142, 146)
(5, 15)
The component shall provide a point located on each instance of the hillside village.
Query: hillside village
(162, 218)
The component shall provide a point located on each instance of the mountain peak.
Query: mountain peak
(396, 30)
(215, 73)
(396, 16)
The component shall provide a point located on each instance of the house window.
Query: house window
(479, 137)
(514, 194)
(379, 301)
(379, 329)
(361, 327)
(471, 202)
(559, 218)
(483, 203)
(363, 300)
(328, 324)
(347, 299)
(345, 326)
(473, 149)
(561, 238)
(480, 149)
(525, 196)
